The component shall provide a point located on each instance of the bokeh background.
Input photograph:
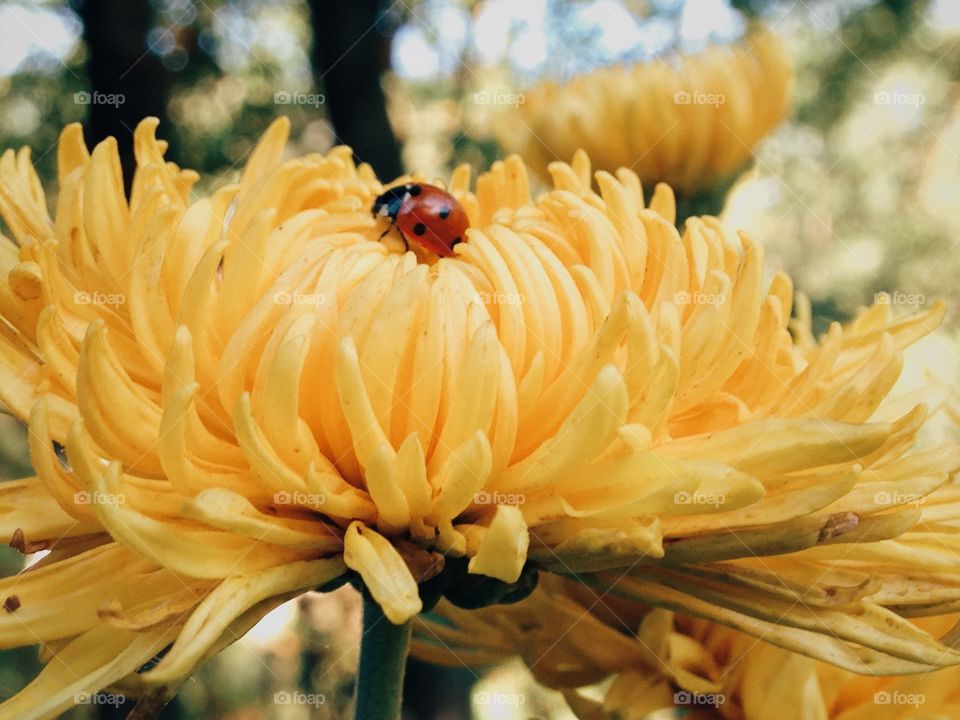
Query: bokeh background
(852, 194)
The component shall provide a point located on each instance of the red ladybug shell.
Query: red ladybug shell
(425, 215)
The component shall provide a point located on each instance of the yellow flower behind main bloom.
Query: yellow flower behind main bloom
(762, 681)
(256, 396)
(689, 126)
(617, 660)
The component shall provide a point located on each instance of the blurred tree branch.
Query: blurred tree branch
(868, 35)
(350, 53)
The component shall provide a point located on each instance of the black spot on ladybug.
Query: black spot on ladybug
(419, 229)
(11, 604)
(414, 190)
(444, 213)
(456, 240)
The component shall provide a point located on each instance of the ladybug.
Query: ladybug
(425, 215)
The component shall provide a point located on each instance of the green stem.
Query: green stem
(383, 659)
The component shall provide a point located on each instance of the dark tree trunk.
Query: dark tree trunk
(349, 56)
(127, 81)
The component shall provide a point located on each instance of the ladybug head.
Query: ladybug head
(388, 203)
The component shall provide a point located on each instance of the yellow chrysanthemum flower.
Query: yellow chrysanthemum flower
(759, 681)
(615, 655)
(614, 660)
(256, 396)
(689, 125)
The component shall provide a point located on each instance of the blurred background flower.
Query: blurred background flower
(667, 665)
(689, 121)
(853, 194)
